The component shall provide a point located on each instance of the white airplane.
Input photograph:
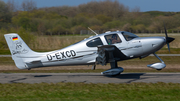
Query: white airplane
(108, 47)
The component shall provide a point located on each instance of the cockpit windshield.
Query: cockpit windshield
(129, 36)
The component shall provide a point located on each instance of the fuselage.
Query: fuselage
(85, 51)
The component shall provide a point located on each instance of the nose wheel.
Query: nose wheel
(157, 66)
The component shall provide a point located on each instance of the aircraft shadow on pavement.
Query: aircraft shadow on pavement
(121, 76)
(128, 76)
(42, 75)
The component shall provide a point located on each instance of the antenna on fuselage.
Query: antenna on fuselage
(92, 31)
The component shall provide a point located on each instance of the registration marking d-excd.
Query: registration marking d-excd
(61, 55)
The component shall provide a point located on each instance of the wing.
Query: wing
(109, 54)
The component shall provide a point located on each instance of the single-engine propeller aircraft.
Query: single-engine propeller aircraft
(109, 47)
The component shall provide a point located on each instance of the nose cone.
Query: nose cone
(169, 39)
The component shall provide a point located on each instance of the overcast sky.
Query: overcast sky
(144, 5)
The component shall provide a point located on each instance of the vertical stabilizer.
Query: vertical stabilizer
(19, 50)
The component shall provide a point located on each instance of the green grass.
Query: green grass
(6, 61)
(166, 51)
(4, 52)
(90, 92)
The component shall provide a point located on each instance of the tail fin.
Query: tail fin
(21, 53)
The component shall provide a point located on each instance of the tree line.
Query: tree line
(98, 15)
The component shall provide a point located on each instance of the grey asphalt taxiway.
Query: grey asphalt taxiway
(88, 77)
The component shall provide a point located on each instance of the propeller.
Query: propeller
(168, 39)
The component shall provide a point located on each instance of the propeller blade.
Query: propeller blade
(168, 39)
(168, 47)
(165, 30)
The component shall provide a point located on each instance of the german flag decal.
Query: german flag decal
(15, 38)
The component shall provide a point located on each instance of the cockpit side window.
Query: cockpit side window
(94, 42)
(128, 36)
(112, 39)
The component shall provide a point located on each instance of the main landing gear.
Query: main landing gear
(106, 54)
